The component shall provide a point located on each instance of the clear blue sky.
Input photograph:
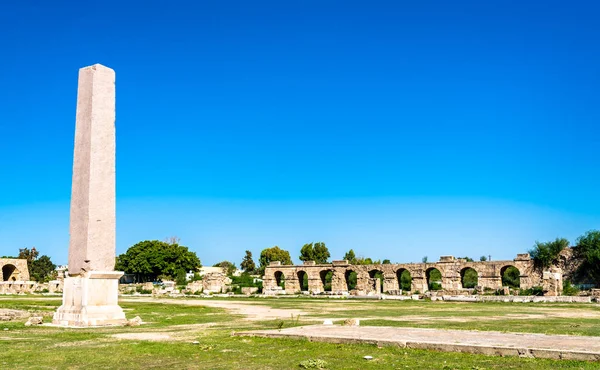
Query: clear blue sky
(398, 129)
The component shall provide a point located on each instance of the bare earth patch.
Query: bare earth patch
(152, 336)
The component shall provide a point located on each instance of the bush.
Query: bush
(181, 278)
(511, 277)
(435, 286)
(544, 254)
(141, 290)
(535, 291)
(588, 249)
(569, 289)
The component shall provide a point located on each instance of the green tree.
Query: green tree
(483, 258)
(588, 250)
(269, 255)
(363, 261)
(434, 279)
(386, 262)
(511, 277)
(544, 254)
(42, 269)
(150, 258)
(467, 259)
(248, 264)
(317, 252)
(405, 281)
(350, 257)
(424, 259)
(228, 266)
(469, 279)
(28, 254)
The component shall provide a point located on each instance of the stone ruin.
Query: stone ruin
(14, 279)
(489, 277)
(212, 282)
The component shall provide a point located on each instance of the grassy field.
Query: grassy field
(174, 324)
(545, 318)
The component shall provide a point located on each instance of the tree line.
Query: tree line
(154, 259)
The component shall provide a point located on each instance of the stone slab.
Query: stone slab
(477, 342)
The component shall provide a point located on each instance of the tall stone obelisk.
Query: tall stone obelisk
(90, 293)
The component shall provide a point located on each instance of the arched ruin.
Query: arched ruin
(456, 276)
(13, 269)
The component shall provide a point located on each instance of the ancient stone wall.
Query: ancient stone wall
(489, 275)
(13, 269)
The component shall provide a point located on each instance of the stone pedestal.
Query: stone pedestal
(90, 299)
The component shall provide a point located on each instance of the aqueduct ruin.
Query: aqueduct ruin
(341, 277)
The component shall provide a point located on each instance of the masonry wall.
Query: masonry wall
(489, 275)
(13, 269)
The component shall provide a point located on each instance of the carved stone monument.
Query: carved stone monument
(90, 291)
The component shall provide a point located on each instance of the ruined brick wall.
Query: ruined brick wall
(13, 269)
(215, 282)
(489, 275)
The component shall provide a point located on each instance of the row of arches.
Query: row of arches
(469, 278)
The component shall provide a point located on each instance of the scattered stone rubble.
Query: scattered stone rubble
(34, 320)
(10, 315)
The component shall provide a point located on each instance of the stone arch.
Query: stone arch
(9, 272)
(326, 278)
(351, 279)
(280, 279)
(469, 278)
(377, 274)
(403, 275)
(434, 278)
(511, 276)
(302, 279)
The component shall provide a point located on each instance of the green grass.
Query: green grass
(547, 318)
(52, 348)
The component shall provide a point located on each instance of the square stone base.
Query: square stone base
(91, 300)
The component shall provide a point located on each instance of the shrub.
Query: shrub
(535, 291)
(544, 254)
(569, 289)
(141, 290)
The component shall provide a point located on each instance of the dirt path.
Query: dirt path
(491, 343)
(250, 310)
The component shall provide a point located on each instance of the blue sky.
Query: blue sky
(398, 129)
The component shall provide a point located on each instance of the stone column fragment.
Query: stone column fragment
(91, 290)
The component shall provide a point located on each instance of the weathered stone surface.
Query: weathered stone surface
(194, 287)
(136, 321)
(34, 320)
(215, 282)
(452, 270)
(351, 322)
(91, 290)
(249, 290)
(13, 269)
(93, 223)
(552, 282)
(9, 315)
